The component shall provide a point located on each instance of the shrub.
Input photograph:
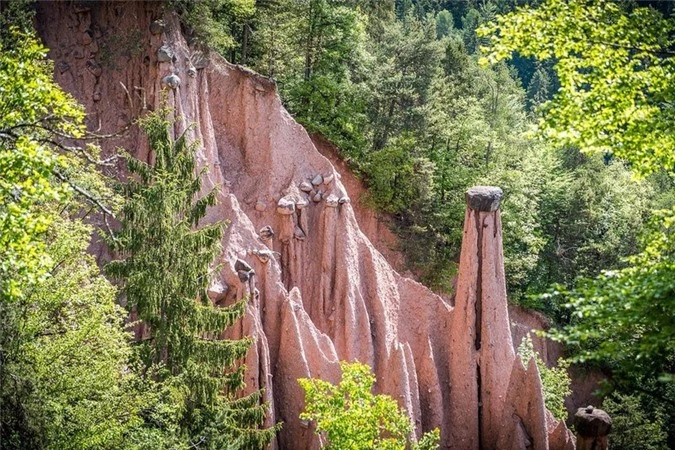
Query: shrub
(351, 417)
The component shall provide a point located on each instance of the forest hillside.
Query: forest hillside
(208, 205)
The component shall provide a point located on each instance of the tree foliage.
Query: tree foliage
(69, 385)
(615, 70)
(350, 416)
(33, 110)
(635, 426)
(627, 316)
(165, 272)
(214, 23)
(63, 351)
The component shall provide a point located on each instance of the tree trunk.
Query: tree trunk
(244, 43)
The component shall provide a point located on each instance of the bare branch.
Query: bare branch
(84, 193)
(657, 52)
(131, 102)
(108, 228)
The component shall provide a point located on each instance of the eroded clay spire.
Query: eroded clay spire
(481, 326)
(497, 402)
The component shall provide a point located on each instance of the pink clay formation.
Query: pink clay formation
(325, 293)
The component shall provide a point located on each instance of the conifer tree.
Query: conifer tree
(165, 271)
(539, 88)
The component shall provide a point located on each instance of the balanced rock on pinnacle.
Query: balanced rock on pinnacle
(592, 426)
(484, 198)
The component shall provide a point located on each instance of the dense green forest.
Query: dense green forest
(565, 104)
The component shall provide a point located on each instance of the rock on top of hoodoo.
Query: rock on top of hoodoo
(484, 198)
(592, 422)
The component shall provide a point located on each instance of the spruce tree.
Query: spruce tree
(165, 272)
(539, 88)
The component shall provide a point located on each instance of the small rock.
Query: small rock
(199, 60)
(328, 179)
(63, 66)
(94, 68)
(305, 187)
(302, 203)
(260, 206)
(299, 234)
(332, 201)
(192, 72)
(263, 255)
(317, 197)
(217, 290)
(240, 264)
(78, 53)
(97, 96)
(157, 26)
(344, 200)
(165, 54)
(171, 80)
(266, 233)
(317, 180)
(285, 206)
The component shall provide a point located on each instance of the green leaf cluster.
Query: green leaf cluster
(214, 23)
(65, 381)
(615, 68)
(627, 316)
(615, 71)
(33, 110)
(350, 416)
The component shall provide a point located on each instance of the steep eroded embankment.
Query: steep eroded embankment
(321, 291)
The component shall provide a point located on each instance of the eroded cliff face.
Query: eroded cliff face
(321, 291)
